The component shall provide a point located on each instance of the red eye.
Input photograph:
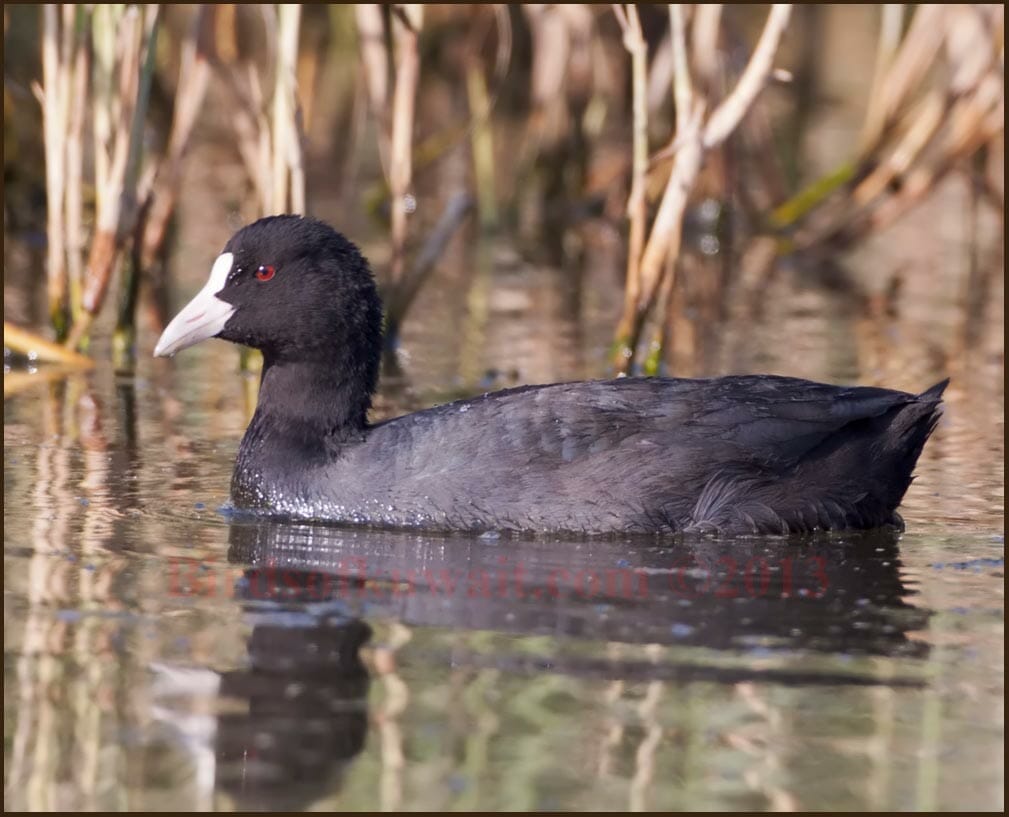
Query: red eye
(265, 273)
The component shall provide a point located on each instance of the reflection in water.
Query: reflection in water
(764, 598)
(296, 716)
(291, 721)
(278, 732)
(303, 715)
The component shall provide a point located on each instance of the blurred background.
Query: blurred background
(667, 166)
(545, 192)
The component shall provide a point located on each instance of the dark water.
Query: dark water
(159, 655)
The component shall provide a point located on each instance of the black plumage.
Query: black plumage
(730, 455)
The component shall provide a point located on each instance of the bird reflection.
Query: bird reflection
(291, 722)
(303, 714)
(835, 594)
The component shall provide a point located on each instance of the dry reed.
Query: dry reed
(936, 103)
(696, 133)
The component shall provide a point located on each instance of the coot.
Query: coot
(729, 455)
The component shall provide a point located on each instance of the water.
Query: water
(160, 655)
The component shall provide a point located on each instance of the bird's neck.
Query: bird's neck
(308, 411)
(323, 398)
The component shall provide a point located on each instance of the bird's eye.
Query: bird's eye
(266, 272)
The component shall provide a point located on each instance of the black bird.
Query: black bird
(729, 455)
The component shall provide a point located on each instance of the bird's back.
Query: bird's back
(736, 454)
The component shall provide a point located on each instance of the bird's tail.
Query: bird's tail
(907, 434)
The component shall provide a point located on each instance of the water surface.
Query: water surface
(162, 655)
